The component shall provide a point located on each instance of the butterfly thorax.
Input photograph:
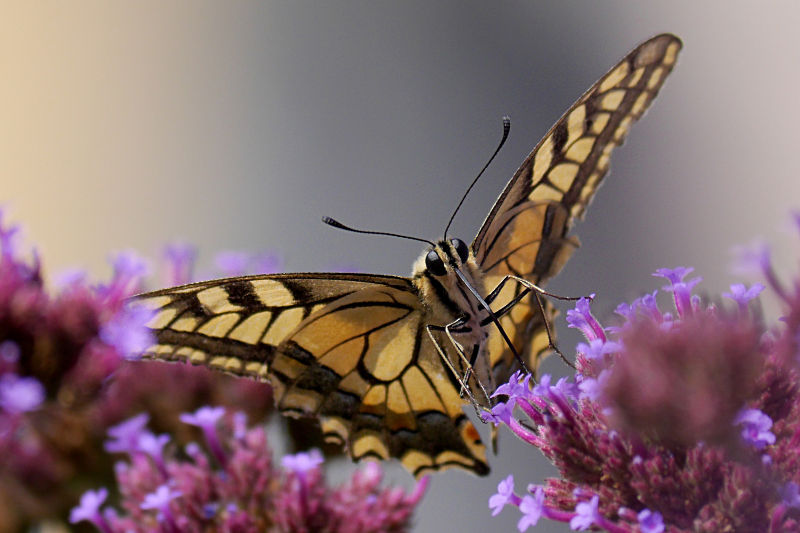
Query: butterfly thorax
(447, 278)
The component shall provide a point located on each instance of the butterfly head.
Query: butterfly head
(437, 270)
(447, 255)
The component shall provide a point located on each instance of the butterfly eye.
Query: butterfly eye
(435, 264)
(461, 249)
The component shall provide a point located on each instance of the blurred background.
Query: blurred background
(236, 126)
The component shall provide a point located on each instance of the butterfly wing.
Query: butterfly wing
(349, 349)
(526, 234)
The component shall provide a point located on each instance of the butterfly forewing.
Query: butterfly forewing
(526, 234)
(349, 349)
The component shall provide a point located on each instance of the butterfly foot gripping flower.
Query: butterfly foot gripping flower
(679, 420)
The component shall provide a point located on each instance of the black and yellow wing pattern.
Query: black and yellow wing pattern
(526, 234)
(348, 349)
(352, 349)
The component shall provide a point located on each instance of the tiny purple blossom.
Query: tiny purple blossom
(160, 498)
(20, 394)
(505, 494)
(69, 278)
(543, 387)
(532, 508)
(647, 305)
(126, 434)
(753, 259)
(180, 259)
(302, 462)
(650, 522)
(126, 331)
(566, 388)
(756, 428)
(206, 418)
(581, 318)
(591, 388)
(742, 295)
(681, 290)
(586, 514)
(152, 444)
(89, 509)
(597, 348)
(8, 237)
(501, 413)
(517, 385)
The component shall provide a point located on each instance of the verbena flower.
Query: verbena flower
(244, 492)
(68, 371)
(686, 419)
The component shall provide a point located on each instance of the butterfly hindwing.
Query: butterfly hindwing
(526, 234)
(349, 349)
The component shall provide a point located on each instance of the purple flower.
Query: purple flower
(303, 462)
(89, 509)
(681, 289)
(126, 434)
(592, 388)
(660, 422)
(597, 349)
(128, 270)
(581, 319)
(505, 494)
(756, 428)
(160, 498)
(152, 445)
(206, 418)
(742, 295)
(501, 412)
(650, 522)
(180, 259)
(20, 394)
(126, 331)
(517, 385)
(586, 514)
(532, 508)
(8, 237)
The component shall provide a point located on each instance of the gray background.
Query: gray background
(237, 125)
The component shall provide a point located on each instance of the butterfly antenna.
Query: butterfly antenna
(506, 128)
(336, 224)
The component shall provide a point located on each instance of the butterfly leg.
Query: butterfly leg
(537, 292)
(430, 328)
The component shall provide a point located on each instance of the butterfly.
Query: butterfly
(385, 362)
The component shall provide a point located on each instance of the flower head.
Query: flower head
(755, 428)
(686, 419)
(20, 394)
(505, 493)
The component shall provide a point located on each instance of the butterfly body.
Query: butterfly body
(447, 279)
(385, 362)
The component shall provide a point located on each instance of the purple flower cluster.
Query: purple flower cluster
(68, 371)
(236, 487)
(677, 421)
